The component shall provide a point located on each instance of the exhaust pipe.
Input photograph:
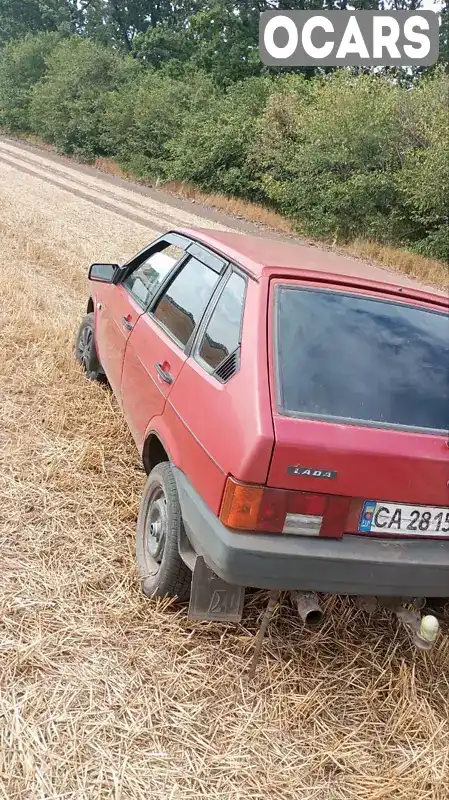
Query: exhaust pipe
(309, 608)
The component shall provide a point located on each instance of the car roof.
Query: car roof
(259, 254)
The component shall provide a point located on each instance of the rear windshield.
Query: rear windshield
(355, 358)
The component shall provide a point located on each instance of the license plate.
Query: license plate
(404, 520)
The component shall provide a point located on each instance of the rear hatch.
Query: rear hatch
(360, 396)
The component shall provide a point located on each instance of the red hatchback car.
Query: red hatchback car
(291, 407)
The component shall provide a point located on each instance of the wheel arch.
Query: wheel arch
(160, 444)
(154, 452)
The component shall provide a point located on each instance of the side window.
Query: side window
(182, 305)
(145, 280)
(222, 335)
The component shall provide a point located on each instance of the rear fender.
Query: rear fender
(158, 427)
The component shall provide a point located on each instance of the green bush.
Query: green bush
(329, 149)
(141, 120)
(424, 177)
(343, 155)
(353, 156)
(23, 64)
(68, 105)
(216, 138)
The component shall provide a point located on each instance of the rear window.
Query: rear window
(354, 358)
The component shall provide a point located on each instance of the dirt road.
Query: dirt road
(104, 694)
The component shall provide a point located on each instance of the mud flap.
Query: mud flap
(213, 599)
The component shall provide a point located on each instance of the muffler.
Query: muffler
(309, 609)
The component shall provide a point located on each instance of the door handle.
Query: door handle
(127, 324)
(163, 374)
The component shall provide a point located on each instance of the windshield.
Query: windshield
(356, 358)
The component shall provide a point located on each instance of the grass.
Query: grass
(106, 695)
(427, 270)
(242, 209)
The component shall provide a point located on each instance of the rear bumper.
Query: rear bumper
(352, 565)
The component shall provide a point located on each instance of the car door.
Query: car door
(123, 304)
(159, 343)
(206, 408)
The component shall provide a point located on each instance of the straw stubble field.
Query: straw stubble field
(105, 694)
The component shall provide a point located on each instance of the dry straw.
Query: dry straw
(107, 695)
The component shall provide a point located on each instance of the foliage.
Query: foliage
(23, 64)
(21, 17)
(141, 122)
(329, 150)
(424, 177)
(213, 146)
(68, 105)
(348, 156)
(111, 21)
(213, 38)
(343, 155)
(217, 36)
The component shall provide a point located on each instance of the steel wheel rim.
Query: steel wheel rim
(156, 524)
(85, 346)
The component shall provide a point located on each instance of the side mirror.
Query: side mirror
(103, 273)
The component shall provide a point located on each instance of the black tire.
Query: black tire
(85, 350)
(159, 526)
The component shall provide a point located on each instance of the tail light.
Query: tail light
(246, 507)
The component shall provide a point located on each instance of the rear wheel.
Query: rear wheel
(85, 350)
(159, 526)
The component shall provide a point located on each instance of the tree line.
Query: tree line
(176, 91)
(218, 36)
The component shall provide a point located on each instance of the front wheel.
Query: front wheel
(159, 526)
(85, 350)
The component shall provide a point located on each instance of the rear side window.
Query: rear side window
(354, 358)
(222, 335)
(182, 305)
